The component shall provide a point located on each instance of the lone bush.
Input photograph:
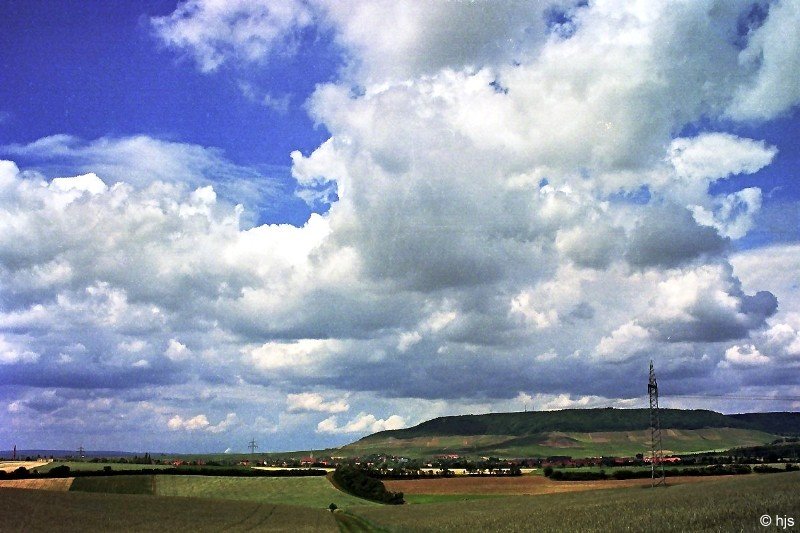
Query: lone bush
(59, 471)
(356, 481)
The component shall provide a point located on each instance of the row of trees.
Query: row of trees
(714, 470)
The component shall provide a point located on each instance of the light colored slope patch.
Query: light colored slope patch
(10, 466)
(61, 484)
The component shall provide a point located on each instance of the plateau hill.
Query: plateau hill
(578, 433)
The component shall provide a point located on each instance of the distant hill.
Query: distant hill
(780, 423)
(60, 454)
(579, 432)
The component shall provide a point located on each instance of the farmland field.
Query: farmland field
(724, 504)
(59, 484)
(31, 510)
(732, 503)
(115, 484)
(314, 491)
(88, 466)
(10, 466)
(518, 485)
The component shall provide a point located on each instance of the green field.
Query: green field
(316, 492)
(728, 504)
(88, 467)
(38, 510)
(416, 499)
(115, 484)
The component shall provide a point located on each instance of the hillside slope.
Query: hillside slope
(578, 432)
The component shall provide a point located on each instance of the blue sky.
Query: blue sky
(305, 221)
(98, 70)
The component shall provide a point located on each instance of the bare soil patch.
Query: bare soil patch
(61, 484)
(521, 485)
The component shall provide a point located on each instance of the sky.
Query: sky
(304, 221)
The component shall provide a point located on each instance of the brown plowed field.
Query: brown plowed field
(61, 484)
(520, 485)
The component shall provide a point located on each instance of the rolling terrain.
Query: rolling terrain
(577, 433)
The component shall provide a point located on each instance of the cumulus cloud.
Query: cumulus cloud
(507, 198)
(247, 30)
(773, 53)
(783, 338)
(712, 156)
(314, 402)
(177, 351)
(733, 214)
(140, 161)
(669, 236)
(401, 40)
(744, 355)
(200, 422)
(387, 39)
(303, 355)
(363, 423)
(706, 304)
(624, 342)
(11, 352)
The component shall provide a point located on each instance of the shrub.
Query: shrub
(355, 481)
(766, 469)
(59, 471)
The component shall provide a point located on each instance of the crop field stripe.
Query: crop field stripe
(136, 484)
(310, 492)
(55, 512)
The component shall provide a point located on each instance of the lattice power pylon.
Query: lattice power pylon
(656, 449)
(252, 445)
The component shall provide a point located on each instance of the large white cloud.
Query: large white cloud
(363, 423)
(773, 53)
(247, 30)
(510, 210)
(315, 402)
(141, 160)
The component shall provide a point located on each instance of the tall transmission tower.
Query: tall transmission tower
(656, 449)
(252, 446)
(81, 452)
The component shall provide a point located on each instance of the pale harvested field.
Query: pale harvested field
(274, 468)
(522, 485)
(61, 484)
(10, 466)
